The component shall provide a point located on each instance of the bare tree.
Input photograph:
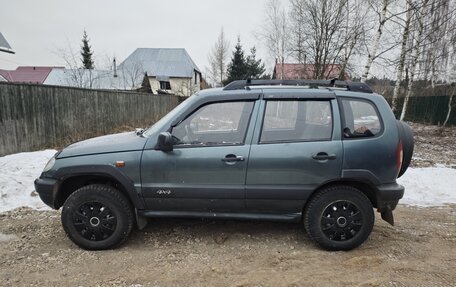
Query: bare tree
(355, 30)
(132, 75)
(78, 77)
(218, 58)
(450, 75)
(450, 105)
(275, 32)
(401, 64)
(320, 28)
(435, 44)
(376, 43)
(297, 24)
(420, 13)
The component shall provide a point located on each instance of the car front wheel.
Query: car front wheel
(339, 218)
(97, 217)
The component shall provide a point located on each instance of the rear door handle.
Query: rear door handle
(232, 158)
(323, 156)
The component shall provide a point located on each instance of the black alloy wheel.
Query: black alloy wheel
(339, 217)
(94, 221)
(97, 217)
(341, 220)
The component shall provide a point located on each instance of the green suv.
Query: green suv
(324, 153)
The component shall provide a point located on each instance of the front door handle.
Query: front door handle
(231, 158)
(323, 156)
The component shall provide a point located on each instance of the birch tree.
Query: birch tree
(451, 65)
(401, 64)
(376, 42)
(417, 41)
(435, 45)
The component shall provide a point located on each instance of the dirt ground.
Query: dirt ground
(418, 251)
(434, 145)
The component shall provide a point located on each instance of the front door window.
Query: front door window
(214, 125)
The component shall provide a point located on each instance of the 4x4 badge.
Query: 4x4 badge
(164, 191)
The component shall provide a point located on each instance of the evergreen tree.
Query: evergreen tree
(86, 53)
(255, 69)
(241, 67)
(237, 69)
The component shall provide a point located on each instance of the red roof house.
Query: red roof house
(25, 74)
(303, 71)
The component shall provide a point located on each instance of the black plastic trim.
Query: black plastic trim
(308, 96)
(350, 86)
(214, 99)
(106, 171)
(360, 175)
(47, 190)
(390, 192)
(291, 217)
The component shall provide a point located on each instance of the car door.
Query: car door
(207, 167)
(296, 148)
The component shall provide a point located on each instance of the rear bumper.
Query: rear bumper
(47, 190)
(388, 195)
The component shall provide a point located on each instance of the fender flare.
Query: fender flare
(108, 171)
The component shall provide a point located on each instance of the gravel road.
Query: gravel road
(418, 251)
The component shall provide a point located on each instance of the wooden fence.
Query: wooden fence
(34, 117)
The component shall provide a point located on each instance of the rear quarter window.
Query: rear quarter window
(361, 119)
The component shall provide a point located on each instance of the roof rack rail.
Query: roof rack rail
(350, 86)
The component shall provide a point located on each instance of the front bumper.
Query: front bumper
(47, 190)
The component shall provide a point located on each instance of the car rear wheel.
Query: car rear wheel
(97, 217)
(339, 218)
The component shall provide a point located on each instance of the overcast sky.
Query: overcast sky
(36, 30)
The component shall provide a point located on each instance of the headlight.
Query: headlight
(50, 164)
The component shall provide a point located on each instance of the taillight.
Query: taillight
(400, 155)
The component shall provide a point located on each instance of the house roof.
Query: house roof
(2, 79)
(27, 74)
(303, 71)
(94, 79)
(4, 46)
(161, 62)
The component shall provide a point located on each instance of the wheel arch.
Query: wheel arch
(75, 177)
(365, 187)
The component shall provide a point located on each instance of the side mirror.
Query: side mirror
(164, 142)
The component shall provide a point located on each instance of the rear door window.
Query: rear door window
(294, 121)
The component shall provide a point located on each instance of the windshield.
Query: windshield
(158, 126)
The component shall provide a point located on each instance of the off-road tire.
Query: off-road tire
(320, 218)
(97, 217)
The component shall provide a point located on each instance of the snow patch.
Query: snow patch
(17, 173)
(429, 186)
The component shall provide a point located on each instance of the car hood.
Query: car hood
(105, 144)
